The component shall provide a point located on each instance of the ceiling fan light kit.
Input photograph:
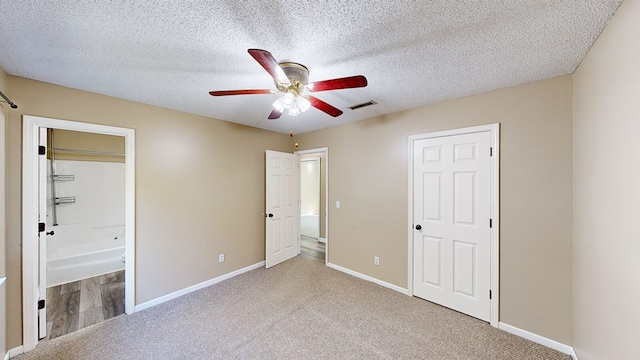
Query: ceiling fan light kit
(296, 104)
(292, 79)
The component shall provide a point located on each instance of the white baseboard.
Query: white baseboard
(14, 352)
(565, 349)
(322, 240)
(195, 287)
(369, 278)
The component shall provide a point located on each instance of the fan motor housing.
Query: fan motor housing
(298, 74)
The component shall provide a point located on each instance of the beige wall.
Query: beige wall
(76, 140)
(607, 193)
(368, 174)
(199, 189)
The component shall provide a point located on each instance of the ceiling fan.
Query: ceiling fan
(291, 79)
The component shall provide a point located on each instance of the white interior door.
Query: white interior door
(282, 207)
(452, 210)
(42, 235)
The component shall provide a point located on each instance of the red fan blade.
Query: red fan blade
(341, 83)
(323, 106)
(275, 114)
(270, 64)
(239, 92)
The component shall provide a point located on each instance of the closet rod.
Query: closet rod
(88, 152)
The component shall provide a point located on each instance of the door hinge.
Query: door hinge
(41, 304)
(490, 223)
(489, 294)
(490, 151)
(41, 227)
(42, 150)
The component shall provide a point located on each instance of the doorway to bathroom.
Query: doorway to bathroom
(78, 266)
(313, 203)
(85, 230)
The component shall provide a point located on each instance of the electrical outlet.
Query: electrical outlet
(376, 260)
(221, 258)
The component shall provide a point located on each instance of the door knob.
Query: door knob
(270, 215)
(50, 233)
(418, 227)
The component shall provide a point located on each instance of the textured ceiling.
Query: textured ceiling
(414, 53)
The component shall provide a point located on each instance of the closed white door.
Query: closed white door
(451, 218)
(282, 207)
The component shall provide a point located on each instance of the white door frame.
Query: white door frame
(325, 151)
(3, 276)
(31, 126)
(42, 238)
(494, 130)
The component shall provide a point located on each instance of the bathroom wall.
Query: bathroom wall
(98, 189)
(323, 190)
(66, 139)
(310, 187)
(98, 179)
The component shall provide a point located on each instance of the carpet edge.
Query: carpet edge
(369, 278)
(192, 288)
(555, 345)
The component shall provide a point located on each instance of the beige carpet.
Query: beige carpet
(297, 310)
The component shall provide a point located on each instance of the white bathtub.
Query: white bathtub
(78, 251)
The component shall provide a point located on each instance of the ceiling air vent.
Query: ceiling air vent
(368, 103)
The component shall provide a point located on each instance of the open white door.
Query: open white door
(282, 207)
(42, 235)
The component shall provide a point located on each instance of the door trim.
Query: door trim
(325, 151)
(3, 252)
(31, 125)
(494, 130)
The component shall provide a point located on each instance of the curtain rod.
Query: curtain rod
(13, 106)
